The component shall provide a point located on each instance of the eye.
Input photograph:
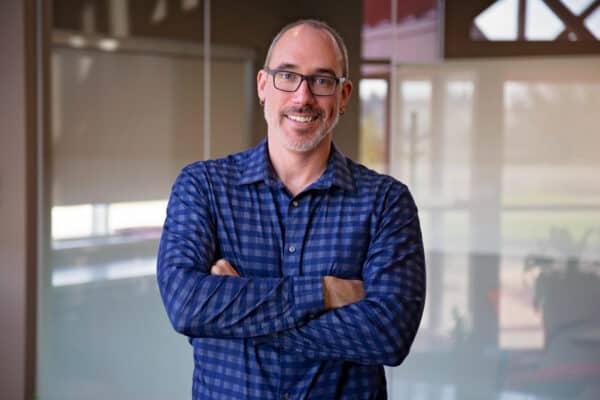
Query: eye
(286, 76)
(324, 81)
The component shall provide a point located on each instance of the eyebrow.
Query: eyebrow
(319, 71)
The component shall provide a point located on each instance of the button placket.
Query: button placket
(293, 238)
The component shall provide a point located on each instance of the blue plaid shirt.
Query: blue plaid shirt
(266, 334)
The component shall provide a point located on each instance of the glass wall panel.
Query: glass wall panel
(401, 31)
(127, 114)
(502, 159)
(373, 122)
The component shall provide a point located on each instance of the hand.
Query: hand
(339, 292)
(224, 268)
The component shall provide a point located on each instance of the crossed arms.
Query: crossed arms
(337, 292)
(372, 321)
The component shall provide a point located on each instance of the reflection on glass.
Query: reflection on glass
(373, 129)
(87, 220)
(108, 44)
(412, 35)
(505, 172)
(550, 232)
(543, 20)
(593, 23)
(93, 225)
(577, 6)
(542, 23)
(499, 21)
(416, 122)
(71, 221)
(160, 11)
(455, 142)
(124, 124)
(140, 215)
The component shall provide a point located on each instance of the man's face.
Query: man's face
(299, 121)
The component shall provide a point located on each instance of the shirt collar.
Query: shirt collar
(256, 167)
(337, 173)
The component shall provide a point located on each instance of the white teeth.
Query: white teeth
(299, 118)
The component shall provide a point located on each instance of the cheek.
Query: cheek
(332, 109)
(269, 112)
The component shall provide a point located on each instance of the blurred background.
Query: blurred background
(488, 110)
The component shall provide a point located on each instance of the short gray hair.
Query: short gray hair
(316, 24)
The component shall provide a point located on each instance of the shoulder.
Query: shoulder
(388, 195)
(367, 180)
(219, 171)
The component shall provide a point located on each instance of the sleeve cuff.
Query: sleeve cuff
(308, 297)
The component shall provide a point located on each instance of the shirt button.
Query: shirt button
(292, 249)
(311, 316)
(286, 396)
(294, 203)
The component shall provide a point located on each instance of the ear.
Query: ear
(261, 81)
(345, 95)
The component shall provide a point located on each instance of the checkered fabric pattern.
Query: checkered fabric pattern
(266, 334)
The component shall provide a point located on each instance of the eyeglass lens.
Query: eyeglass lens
(290, 82)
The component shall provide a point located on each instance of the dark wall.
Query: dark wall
(17, 202)
(240, 23)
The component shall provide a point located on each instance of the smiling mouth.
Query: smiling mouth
(302, 118)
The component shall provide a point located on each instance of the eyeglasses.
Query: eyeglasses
(320, 85)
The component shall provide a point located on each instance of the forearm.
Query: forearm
(202, 305)
(380, 328)
(372, 331)
(199, 304)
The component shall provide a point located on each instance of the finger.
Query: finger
(218, 270)
(233, 272)
(224, 268)
(224, 263)
(222, 271)
(228, 267)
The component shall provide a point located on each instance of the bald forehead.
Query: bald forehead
(301, 31)
(298, 30)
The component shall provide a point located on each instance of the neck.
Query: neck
(297, 170)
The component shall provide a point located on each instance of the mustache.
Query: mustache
(306, 109)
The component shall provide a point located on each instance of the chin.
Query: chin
(308, 142)
(303, 146)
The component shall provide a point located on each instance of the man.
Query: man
(295, 272)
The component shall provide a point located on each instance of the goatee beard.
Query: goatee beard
(321, 133)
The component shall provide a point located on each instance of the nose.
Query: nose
(304, 95)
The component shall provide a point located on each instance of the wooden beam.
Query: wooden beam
(521, 20)
(570, 20)
(564, 35)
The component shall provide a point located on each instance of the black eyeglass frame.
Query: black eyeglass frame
(307, 78)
